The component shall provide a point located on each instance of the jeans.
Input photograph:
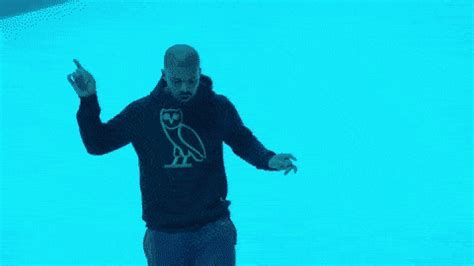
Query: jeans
(212, 244)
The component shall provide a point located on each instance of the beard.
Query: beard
(185, 97)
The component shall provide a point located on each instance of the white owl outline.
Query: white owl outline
(171, 120)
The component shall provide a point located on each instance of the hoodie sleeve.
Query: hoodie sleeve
(101, 138)
(242, 141)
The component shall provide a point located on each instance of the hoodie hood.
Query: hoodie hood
(203, 93)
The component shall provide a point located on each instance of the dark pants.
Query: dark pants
(212, 244)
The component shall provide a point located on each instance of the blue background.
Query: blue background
(373, 98)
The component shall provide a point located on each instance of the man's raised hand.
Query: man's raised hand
(82, 81)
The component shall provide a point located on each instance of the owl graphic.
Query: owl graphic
(186, 142)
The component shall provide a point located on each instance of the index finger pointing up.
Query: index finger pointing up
(77, 63)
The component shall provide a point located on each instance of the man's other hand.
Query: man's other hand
(282, 161)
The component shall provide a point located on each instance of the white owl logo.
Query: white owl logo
(186, 142)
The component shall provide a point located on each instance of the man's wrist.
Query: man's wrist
(88, 96)
(268, 158)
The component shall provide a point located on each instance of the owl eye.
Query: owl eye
(166, 116)
(175, 116)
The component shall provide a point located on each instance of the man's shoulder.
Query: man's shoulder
(221, 99)
(141, 102)
(138, 106)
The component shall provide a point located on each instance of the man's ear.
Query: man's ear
(162, 73)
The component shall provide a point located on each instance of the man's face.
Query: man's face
(182, 81)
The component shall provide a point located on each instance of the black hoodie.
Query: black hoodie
(183, 182)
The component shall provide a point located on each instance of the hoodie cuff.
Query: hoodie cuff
(266, 159)
(89, 105)
(92, 97)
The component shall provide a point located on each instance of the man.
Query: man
(177, 132)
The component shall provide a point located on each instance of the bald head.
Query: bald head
(182, 71)
(181, 55)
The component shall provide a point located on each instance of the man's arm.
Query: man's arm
(101, 138)
(242, 141)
